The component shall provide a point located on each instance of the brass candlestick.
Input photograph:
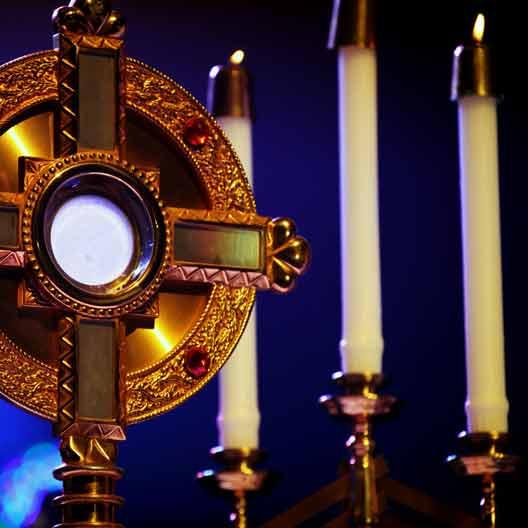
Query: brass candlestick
(359, 403)
(485, 455)
(238, 478)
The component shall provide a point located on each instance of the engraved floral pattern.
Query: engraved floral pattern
(171, 107)
(24, 83)
(161, 389)
(29, 383)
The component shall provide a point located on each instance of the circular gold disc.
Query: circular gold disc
(207, 176)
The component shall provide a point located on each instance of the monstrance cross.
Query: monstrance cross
(92, 244)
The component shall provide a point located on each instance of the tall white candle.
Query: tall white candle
(486, 404)
(362, 342)
(238, 417)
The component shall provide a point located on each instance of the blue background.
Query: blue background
(296, 174)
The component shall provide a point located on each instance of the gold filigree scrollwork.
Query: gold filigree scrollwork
(30, 383)
(169, 106)
(157, 390)
(25, 83)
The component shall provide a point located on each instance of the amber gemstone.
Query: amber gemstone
(197, 362)
(196, 132)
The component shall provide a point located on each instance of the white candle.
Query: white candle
(486, 404)
(238, 417)
(362, 341)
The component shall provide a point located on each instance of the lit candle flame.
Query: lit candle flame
(478, 28)
(237, 57)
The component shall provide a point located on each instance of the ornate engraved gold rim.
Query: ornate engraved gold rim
(29, 82)
(41, 182)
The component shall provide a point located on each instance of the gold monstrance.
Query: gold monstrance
(130, 250)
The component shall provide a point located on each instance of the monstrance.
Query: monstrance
(130, 249)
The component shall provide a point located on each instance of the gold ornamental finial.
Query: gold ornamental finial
(289, 254)
(95, 17)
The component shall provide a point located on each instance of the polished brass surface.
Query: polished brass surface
(359, 403)
(485, 455)
(353, 24)
(157, 112)
(88, 474)
(238, 478)
(31, 137)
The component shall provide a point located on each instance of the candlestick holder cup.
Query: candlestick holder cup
(359, 403)
(237, 478)
(485, 455)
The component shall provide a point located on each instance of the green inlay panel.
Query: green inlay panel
(8, 226)
(96, 370)
(97, 100)
(219, 246)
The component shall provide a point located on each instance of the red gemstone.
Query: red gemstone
(196, 132)
(197, 362)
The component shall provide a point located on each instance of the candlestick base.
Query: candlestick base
(238, 478)
(485, 455)
(359, 403)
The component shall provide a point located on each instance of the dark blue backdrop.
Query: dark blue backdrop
(296, 174)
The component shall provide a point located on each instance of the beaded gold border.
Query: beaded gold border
(38, 185)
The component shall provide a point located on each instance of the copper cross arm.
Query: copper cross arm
(236, 249)
(226, 247)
